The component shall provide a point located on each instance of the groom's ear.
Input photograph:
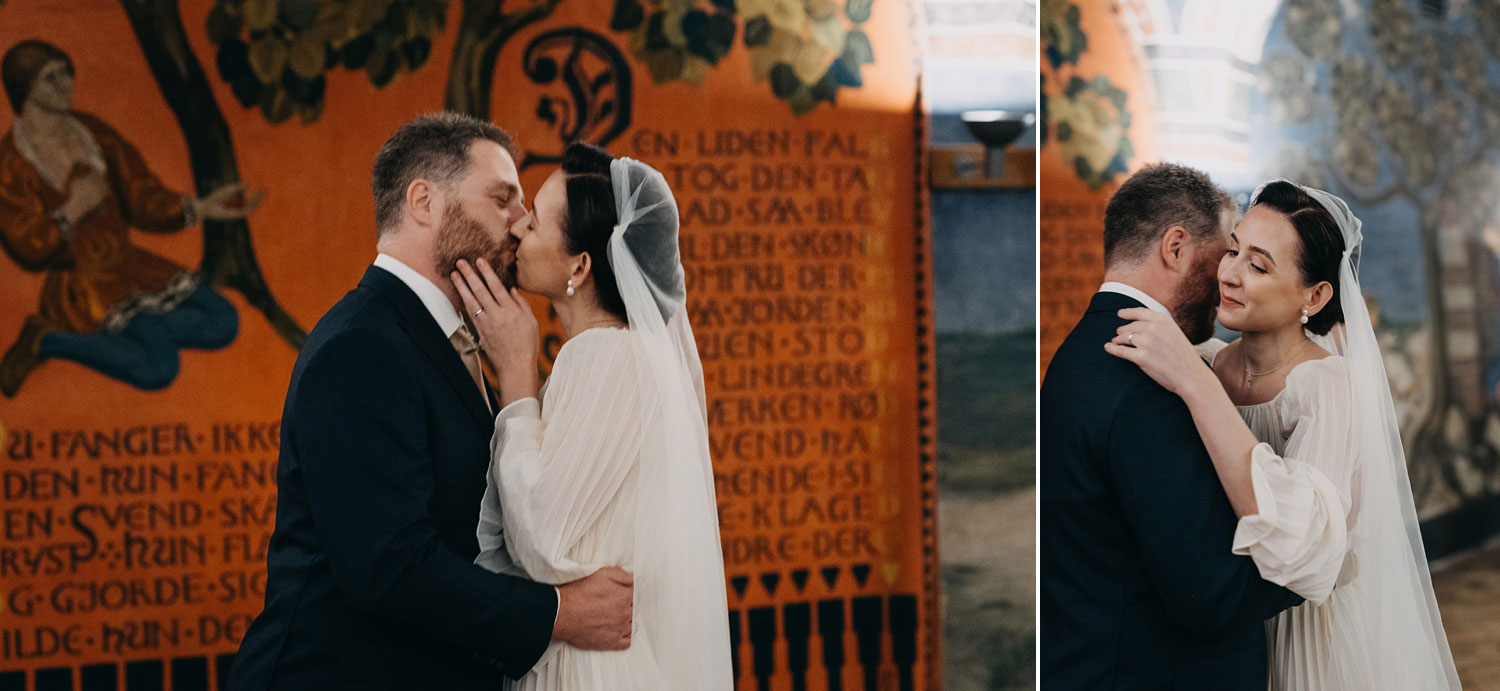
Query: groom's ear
(1173, 248)
(421, 205)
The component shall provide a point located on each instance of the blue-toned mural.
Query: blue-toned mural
(1396, 108)
(1394, 105)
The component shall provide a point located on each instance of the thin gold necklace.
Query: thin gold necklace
(602, 323)
(1250, 377)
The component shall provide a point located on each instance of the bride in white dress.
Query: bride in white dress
(1298, 419)
(608, 464)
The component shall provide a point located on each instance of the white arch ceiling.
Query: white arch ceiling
(979, 53)
(1201, 58)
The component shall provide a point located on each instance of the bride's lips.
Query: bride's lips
(1226, 301)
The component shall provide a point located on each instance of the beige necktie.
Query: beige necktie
(463, 341)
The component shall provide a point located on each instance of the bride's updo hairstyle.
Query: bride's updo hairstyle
(592, 217)
(1322, 244)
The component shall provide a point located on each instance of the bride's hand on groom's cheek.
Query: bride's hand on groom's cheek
(505, 326)
(1155, 343)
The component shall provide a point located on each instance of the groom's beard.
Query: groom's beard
(1197, 301)
(462, 237)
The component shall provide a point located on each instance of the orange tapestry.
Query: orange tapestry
(1097, 127)
(164, 262)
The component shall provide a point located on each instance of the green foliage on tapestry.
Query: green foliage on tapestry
(806, 51)
(1089, 120)
(1091, 124)
(274, 53)
(1061, 34)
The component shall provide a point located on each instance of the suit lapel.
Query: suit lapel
(420, 326)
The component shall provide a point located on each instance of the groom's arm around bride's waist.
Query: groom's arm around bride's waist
(1182, 520)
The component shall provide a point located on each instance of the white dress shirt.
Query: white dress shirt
(432, 297)
(1134, 292)
(442, 312)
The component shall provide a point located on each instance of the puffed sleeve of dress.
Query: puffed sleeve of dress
(555, 466)
(1300, 536)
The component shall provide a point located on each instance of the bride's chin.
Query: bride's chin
(522, 284)
(527, 289)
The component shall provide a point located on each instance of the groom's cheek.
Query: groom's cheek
(507, 266)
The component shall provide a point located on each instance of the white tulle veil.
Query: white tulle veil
(680, 597)
(1385, 581)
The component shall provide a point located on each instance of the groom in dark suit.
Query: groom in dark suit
(1139, 588)
(371, 579)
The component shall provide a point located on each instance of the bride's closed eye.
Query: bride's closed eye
(1236, 253)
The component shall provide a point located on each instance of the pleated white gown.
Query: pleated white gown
(566, 470)
(1302, 473)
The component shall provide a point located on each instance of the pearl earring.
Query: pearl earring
(570, 294)
(1304, 316)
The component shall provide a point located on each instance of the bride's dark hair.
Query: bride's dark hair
(1322, 244)
(591, 217)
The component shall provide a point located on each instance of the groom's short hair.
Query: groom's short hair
(431, 147)
(1155, 198)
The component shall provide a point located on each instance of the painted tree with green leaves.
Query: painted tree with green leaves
(1400, 107)
(277, 54)
(228, 252)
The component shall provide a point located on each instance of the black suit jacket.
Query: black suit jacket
(1139, 588)
(371, 581)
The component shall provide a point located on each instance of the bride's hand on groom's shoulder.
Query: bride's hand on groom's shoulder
(1155, 343)
(505, 326)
